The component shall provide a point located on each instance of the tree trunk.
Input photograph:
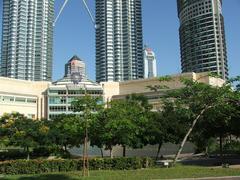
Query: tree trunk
(159, 147)
(188, 133)
(221, 149)
(111, 153)
(101, 152)
(124, 151)
(28, 154)
(206, 151)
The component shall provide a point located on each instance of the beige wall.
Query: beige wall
(23, 89)
(111, 90)
(118, 90)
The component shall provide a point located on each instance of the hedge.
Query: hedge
(63, 165)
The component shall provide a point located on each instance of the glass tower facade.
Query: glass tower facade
(27, 39)
(119, 45)
(202, 37)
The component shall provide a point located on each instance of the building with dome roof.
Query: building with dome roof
(74, 84)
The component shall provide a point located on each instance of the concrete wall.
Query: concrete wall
(113, 89)
(23, 89)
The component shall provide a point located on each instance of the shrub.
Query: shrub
(41, 151)
(232, 147)
(12, 154)
(63, 165)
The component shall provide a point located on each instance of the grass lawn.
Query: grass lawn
(157, 173)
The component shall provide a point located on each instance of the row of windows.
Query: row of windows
(17, 99)
(73, 92)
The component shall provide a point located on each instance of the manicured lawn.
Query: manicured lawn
(157, 173)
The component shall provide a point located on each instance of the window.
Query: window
(8, 98)
(20, 99)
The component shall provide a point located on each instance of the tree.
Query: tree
(121, 123)
(97, 130)
(7, 121)
(195, 99)
(121, 126)
(20, 131)
(87, 108)
(167, 125)
(198, 98)
(222, 119)
(66, 130)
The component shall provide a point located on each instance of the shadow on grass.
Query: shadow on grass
(44, 177)
(206, 162)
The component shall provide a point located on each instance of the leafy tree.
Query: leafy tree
(167, 125)
(7, 121)
(87, 107)
(66, 130)
(121, 123)
(97, 130)
(20, 131)
(221, 120)
(196, 100)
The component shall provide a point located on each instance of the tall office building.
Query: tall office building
(119, 46)
(27, 39)
(202, 36)
(75, 65)
(150, 63)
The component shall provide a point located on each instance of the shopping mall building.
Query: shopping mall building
(39, 100)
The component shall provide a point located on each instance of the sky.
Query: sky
(74, 34)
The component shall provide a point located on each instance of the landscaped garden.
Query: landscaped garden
(140, 174)
(206, 116)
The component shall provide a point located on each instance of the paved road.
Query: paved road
(213, 178)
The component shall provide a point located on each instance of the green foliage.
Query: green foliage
(87, 104)
(43, 166)
(11, 154)
(208, 111)
(165, 78)
(232, 147)
(161, 87)
(121, 123)
(66, 131)
(18, 130)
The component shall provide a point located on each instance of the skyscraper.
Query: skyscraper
(202, 36)
(119, 46)
(75, 65)
(27, 39)
(150, 64)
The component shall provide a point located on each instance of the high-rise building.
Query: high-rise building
(27, 39)
(75, 65)
(202, 37)
(119, 46)
(150, 63)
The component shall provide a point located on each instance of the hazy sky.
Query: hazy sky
(75, 34)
